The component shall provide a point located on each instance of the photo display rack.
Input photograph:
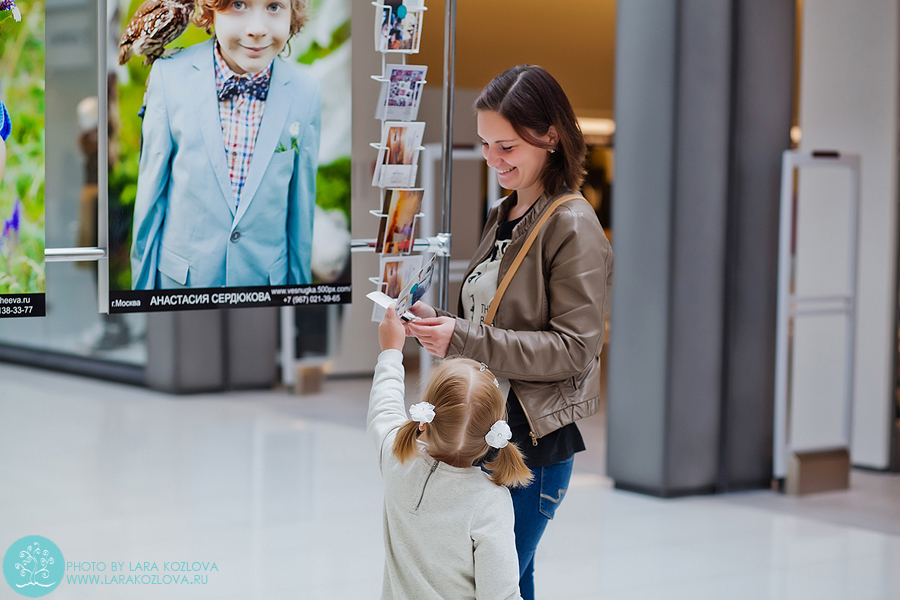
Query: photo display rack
(398, 27)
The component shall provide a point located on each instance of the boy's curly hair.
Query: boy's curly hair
(204, 17)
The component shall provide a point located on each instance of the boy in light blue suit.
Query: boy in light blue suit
(226, 187)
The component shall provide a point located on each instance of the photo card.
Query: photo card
(413, 292)
(396, 273)
(398, 26)
(401, 92)
(416, 288)
(397, 231)
(398, 154)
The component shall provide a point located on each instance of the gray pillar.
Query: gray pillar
(184, 351)
(682, 147)
(212, 350)
(252, 342)
(761, 119)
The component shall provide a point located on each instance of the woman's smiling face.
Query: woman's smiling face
(519, 164)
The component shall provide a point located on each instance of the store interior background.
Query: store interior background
(847, 98)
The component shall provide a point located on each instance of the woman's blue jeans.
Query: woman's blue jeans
(534, 506)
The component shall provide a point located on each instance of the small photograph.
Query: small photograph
(398, 26)
(416, 288)
(396, 273)
(397, 155)
(401, 92)
(396, 234)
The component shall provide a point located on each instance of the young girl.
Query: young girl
(448, 526)
(226, 186)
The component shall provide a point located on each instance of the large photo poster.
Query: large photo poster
(22, 283)
(231, 121)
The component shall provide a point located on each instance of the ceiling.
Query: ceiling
(573, 39)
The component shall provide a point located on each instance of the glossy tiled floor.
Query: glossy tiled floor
(283, 494)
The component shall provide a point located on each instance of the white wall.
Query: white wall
(848, 102)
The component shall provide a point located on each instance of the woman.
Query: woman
(546, 338)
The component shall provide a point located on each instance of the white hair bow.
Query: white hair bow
(423, 412)
(499, 435)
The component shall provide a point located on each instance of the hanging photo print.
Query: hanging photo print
(22, 241)
(398, 26)
(232, 186)
(411, 293)
(396, 274)
(401, 92)
(398, 154)
(396, 233)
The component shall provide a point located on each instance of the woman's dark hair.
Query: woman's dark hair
(532, 100)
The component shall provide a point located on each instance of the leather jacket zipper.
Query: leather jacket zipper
(425, 485)
(527, 418)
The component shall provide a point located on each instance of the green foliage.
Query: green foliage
(333, 186)
(315, 52)
(22, 84)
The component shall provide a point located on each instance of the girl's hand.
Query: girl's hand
(391, 334)
(433, 333)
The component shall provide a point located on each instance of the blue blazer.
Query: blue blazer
(187, 231)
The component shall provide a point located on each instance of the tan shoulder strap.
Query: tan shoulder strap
(501, 289)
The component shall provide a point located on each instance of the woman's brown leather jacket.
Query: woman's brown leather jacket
(548, 331)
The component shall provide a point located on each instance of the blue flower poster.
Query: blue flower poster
(22, 241)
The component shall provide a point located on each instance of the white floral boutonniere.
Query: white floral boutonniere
(294, 130)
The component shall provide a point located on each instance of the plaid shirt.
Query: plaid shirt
(240, 118)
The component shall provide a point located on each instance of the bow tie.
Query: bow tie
(235, 86)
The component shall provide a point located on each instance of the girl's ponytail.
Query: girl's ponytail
(465, 414)
(405, 442)
(508, 468)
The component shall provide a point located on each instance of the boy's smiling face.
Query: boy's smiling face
(252, 32)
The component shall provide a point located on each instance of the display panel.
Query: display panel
(232, 186)
(22, 175)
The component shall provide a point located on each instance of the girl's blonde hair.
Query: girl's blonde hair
(467, 402)
(204, 17)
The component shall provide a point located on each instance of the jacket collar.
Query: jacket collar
(203, 78)
(274, 119)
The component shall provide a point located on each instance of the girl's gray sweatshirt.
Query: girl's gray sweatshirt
(448, 532)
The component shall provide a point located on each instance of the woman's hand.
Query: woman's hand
(391, 334)
(425, 311)
(433, 333)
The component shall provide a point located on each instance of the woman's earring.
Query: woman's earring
(552, 150)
